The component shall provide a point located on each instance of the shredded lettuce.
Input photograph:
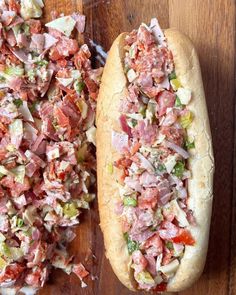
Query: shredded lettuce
(31, 9)
(184, 95)
(145, 277)
(14, 71)
(170, 269)
(63, 24)
(65, 81)
(19, 173)
(91, 135)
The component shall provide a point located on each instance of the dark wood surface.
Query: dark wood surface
(211, 26)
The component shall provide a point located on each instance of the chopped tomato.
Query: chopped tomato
(54, 54)
(12, 272)
(123, 163)
(135, 148)
(146, 204)
(62, 62)
(80, 270)
(35, 26)
(2, 152)
(184, 238)
(161, 287)
(165, 100)
(13, 5)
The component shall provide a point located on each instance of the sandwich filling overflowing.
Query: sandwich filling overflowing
(48, 93)
(154, 149)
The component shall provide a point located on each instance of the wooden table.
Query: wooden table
(211, 26)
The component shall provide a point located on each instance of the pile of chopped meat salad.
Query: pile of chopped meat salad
(154, 152)
(48, 94)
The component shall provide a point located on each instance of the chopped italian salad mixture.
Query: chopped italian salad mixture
(48, 93)
(154, 150)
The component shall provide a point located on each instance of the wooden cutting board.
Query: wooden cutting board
(211, 26)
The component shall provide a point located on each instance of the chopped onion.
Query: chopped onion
(177, 149)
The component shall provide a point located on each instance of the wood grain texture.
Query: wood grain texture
(211, 26)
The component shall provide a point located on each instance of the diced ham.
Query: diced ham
(148, 198)
(11, 39)
(22, 40)
(119, 141)
(140, 261)
(145, 37)
(7, 17)
(80, 21)
(145, 79)
(146, 179)
(168, 231)
(133, 183)
(146, 132)
(165, 100)
(37, 42)
(151, 267)
(49, 41)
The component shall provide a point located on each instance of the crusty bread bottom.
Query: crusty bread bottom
(201, 163)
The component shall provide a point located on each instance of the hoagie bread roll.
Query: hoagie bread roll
(155, 160)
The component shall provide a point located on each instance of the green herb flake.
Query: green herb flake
(172, 76)
(178, 169)
(160, 168)
(189, 145)
(132, 245)
(18, 102)
(79, 86)
(42, 62)
(169, 245)
(178, 103)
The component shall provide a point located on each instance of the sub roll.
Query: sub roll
(154, 160)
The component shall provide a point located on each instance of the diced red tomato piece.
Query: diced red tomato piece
(12, 272)
(13, 5)
(35, 26)
(54, 54)
(161, 287)
(184, 238)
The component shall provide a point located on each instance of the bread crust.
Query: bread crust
(201, 163)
